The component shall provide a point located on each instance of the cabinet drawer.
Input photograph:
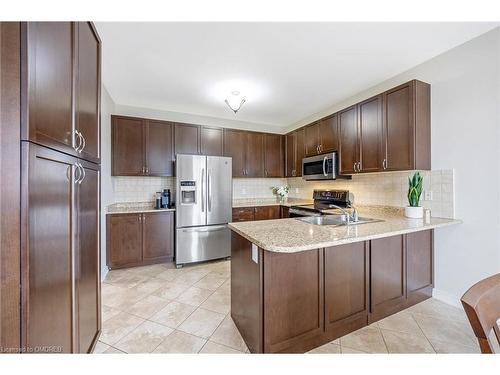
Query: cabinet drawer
(243, 214)
(267, 212)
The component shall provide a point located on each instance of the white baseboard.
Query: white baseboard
(447, 297)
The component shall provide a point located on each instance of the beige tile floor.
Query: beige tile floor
(161, 309)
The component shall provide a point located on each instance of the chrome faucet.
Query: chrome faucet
(349, 217)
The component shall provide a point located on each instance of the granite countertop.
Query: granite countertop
(134, 207)
(292, 235)
(253, 202)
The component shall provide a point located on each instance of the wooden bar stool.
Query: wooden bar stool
(482, 306)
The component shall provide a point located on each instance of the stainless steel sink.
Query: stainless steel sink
(336, 220)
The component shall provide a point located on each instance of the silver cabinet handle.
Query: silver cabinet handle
(324, 166)
(78, 142)
(209, 178)
(359, 166)
(384, 164)
(78, 173)
(147, 170)
(84, 143)
(354, 166)
(83, 174)
(202, 187)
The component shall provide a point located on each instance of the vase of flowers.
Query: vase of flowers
(281, 192)
(414, 211)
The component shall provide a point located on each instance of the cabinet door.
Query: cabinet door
(371, 135)
(158, 236)
(346, 287)
(88, 259)
(267, 212)
(159, 149)
(87, 62)
(128, 146)
(348, 129)
(124, 240)
(399, 127)
(328, 133)
(49, 245)
(235, 146)
(211, 141)
(388, 276)
(290, 155)
(254, 155)
(419, 261)
(285, 212)
(243, 214)
(293, 300)
(273, 155)
(299, 150)
(50, 84)
(312, 139)
(186, 139)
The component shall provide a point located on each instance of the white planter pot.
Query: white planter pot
(414, 212)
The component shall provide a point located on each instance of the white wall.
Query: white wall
(193, 119)
(107, 109)
(465, 137)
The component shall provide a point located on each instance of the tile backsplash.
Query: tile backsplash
(388, 188)
(141, 189)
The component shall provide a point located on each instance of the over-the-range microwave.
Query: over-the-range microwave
(321, 167)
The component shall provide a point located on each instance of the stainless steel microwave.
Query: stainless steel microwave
(320, 167)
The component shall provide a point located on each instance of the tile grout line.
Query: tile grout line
(423, 333)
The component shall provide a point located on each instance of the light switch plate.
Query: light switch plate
(428, 195)
(255, 253)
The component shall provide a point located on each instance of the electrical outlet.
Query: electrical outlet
(296, 190)
(428, 195)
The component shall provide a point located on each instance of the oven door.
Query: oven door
(320, 167)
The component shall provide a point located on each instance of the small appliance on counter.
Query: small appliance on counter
(163, 199)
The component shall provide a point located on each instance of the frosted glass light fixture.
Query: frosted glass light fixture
(235, 101)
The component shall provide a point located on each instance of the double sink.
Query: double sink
(337, 220)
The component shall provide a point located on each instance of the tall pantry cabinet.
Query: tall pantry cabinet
(60, 186)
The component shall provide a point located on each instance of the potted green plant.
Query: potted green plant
(414, 211)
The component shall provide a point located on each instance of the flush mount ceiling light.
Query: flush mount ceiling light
(235, 101)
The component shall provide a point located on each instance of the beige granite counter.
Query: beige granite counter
(253, 202)
(134, 207)
(292, 235)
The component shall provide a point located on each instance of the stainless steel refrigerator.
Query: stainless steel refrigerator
(203, 208)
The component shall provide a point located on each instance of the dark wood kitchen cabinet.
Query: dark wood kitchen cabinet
(295, 152)
(348, 143)
(273, 155)
(62, 232)
(388, 276)
(211, 141)
(312, 139)
(347, 273)
(88, 89)
(60, 76)
(254, 155)
(235, 147)
(141, 147)
(361, 137)
(420, 266)
(186, 139)
(137, 239)
(256, 213)
(407, 129)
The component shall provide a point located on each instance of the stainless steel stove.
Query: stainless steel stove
(326, 202)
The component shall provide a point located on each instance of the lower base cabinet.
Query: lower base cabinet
(256, 213)
(294, 302)
(139, 239)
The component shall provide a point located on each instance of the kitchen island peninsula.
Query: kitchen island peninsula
(296, 286)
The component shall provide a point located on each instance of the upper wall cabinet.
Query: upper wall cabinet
(321, 136)
(407, 127)
(60, 86)
(186, 139)
(273, 155)
(211, 141)
(141, 147)
(295, 152)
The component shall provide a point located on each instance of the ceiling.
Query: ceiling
(286, 71)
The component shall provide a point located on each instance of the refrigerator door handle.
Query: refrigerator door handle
(209, 191)
(202, 189)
